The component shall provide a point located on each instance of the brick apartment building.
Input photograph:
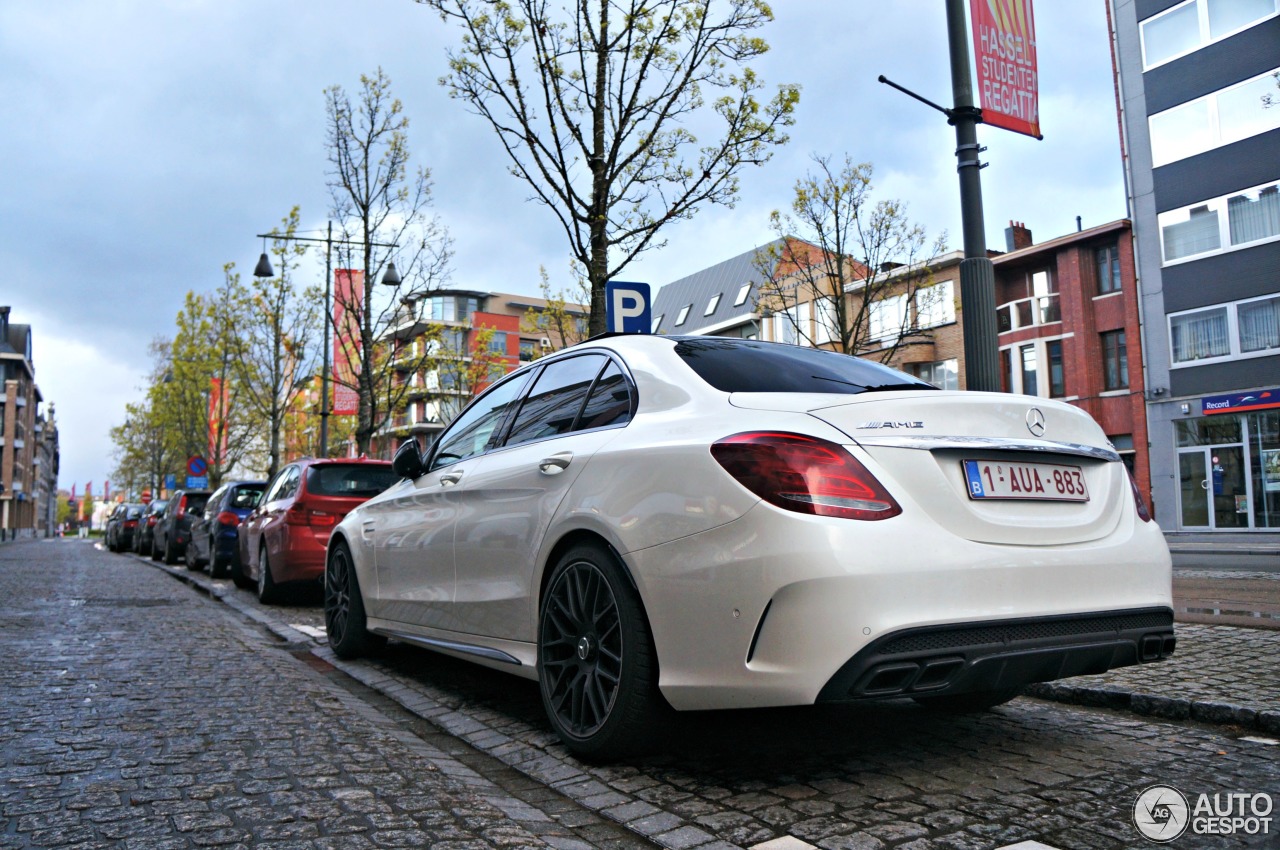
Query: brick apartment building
(1067, 316)
(441, 377)
(28, 442)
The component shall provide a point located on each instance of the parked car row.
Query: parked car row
(268, 535)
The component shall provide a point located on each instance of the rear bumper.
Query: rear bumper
(994, 655)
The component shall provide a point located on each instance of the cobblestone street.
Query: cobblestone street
(140, 713)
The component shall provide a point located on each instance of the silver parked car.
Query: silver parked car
(647, 522)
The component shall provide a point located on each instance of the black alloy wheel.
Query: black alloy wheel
(597, 667)
(344, 616)
(218, 566)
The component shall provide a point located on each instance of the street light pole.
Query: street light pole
(390, 278)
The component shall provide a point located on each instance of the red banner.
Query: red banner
(1004, 49)
(217, 422)
(348, 296)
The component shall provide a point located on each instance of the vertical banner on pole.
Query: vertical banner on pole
(217, 422)
(348, 296)
(1004, 50)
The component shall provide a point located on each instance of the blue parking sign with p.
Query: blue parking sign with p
(628, 307)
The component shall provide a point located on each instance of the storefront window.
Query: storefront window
(1208, 431)
(1264, 443)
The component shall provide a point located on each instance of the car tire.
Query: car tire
(344, 615)
(170, 552)
(269, 592)
(155, 550)
(597, 666)
(218, 566)
(969, 703)
(191, 556)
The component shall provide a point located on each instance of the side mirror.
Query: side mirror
(407, 462)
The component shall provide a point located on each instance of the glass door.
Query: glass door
(1214, 491)
(1194, 491)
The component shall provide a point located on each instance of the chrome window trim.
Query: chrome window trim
(990, 444)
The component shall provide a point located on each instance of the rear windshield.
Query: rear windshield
(357, 479)
(196, 502)
(133, 512)
(245, 497)
(752, 366)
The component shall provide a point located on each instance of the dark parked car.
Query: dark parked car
(174, 529)
(215, 535)
(145, 533)
(122, 525)
(285, 537)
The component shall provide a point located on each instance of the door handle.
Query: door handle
(450, 478)
(555, 464)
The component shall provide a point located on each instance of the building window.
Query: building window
(657, 323)
(791, 326)
(742, 295)
(1115, 361)
(1242, 329)
(1028, 355)
(943, 374)
(887, 317)
(683, 314)
(1223, 223)
(1200, 335)
(1259, 323)
(1107, 262)
(1196, 24)
(712, 304)
(1214, 120)
(1057, 375)
(528, 350)
(498, 343)
(935, 305)
(825, 322)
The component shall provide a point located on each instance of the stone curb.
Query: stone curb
(1165, 708)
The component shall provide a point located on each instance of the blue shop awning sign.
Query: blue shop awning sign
(1240, 402)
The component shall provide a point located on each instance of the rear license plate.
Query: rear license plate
(1049, 482)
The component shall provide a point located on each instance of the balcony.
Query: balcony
(1028, 312)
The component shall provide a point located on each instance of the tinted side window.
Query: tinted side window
(555, 400)
(470, 433)
(751, 366)
(610, 401)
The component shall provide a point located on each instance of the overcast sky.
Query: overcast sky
(145, 143)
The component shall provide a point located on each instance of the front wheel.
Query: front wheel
(597, 667)
(344, 616)
(192, 556)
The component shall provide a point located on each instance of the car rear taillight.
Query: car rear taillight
(131, 523)
(1143, 513)
(182, 507)
(804, 474)
(301, 514)
(151, 521)
(229, 518)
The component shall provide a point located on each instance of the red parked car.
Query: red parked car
(283, 541)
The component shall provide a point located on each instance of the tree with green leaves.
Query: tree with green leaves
(597, 107)
(383, 208)
(561, 320)
(275, 356)
(845, 273)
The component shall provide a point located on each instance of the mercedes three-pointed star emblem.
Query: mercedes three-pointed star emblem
(1035, 422)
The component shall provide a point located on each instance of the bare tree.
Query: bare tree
(597, 107)
(847, 274)
(382, 207)
(561, 321)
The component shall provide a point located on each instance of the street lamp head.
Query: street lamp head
(391, 277)
(263, 269)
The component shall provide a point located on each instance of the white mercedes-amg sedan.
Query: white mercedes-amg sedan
(642, 523)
